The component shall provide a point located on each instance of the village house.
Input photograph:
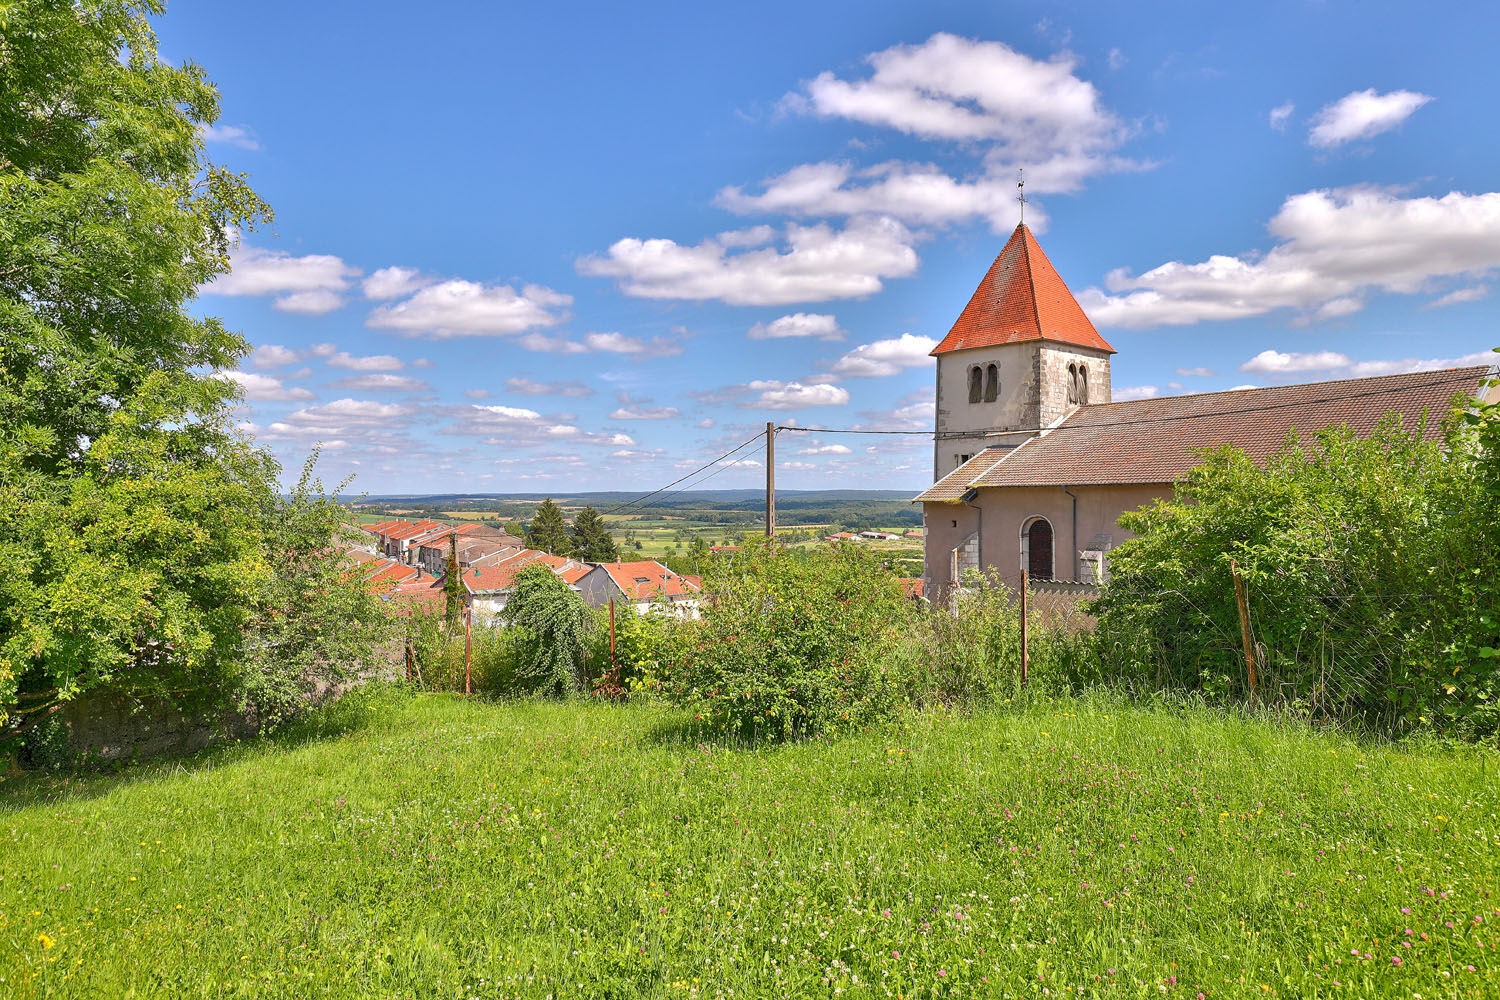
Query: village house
(470, 550)
(488, 587)
(646, 585)
(1033, 463)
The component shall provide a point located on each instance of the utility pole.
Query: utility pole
(770, 479)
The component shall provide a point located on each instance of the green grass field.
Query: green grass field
(424, 846)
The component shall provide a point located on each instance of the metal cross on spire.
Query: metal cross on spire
(1021, 192)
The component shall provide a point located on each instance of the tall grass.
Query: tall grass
(425, 845)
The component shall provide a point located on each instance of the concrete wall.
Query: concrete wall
(1001, 513)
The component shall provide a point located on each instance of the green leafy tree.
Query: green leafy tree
(556, 623)
(143, 537)
(548, 530)
(591, 539)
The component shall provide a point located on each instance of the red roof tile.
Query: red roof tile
(502, 575)
(1159, 440)
(390, 571)
(646, 580)
(418, 595)
(1021, 298)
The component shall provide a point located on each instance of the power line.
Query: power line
(690, 475)
(1455, 380)
(736, 464)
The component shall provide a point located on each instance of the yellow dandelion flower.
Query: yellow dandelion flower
(46, 940)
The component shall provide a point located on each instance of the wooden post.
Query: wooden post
(1025, 638)
(468, 636)
(1245, 638)
(770, 479)
(612, 664)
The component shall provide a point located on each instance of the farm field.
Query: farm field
(423, 845)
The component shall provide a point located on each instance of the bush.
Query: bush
(786, 644)
(1364, 560)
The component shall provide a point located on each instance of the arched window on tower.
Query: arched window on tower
(1072, 385)
(976, 383)
(991, 383)
(1083, 385)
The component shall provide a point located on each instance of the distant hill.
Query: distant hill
(689, 498)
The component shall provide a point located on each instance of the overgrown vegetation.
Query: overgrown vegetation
(1370, 566)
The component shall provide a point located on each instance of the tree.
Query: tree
(591, 538)
(548, 531)
(454, 592)
(145, 540)
(556, 623)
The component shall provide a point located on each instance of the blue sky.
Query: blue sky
(532, 248)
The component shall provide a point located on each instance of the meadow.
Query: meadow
(416, 845)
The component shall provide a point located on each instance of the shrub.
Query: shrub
(783, 647)
(1363, 560)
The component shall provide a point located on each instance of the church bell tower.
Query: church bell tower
(1021, 356)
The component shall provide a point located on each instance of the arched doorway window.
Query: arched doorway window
(991, 383)
(1036, 548)
(976, 384)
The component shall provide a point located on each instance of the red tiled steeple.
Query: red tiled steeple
(1021, 298)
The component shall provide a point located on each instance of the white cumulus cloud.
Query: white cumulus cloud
(312, 283)
(458, 308)
(775, 395)
(886, 357)
(264, 388)
(383, 383)
(639, 412)
(1361, 115)
(394, 282)
(824, 327)
(1337, 246)
(368, 363)
(739, 268)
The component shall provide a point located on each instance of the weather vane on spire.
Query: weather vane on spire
(1021, 192)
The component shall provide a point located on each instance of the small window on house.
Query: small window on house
(976, 384)
(964, 458)
(1072, 384)
(991, 383)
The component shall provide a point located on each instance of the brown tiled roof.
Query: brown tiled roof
(390, 571)
(1021, 298)
(1159, 440)
(956, 483)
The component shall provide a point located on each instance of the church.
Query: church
(1033, 463)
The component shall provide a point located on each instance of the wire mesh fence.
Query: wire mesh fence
(1337, 651)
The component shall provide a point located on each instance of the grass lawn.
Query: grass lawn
(424, 846)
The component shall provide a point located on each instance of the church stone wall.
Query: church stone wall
(998, 514)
